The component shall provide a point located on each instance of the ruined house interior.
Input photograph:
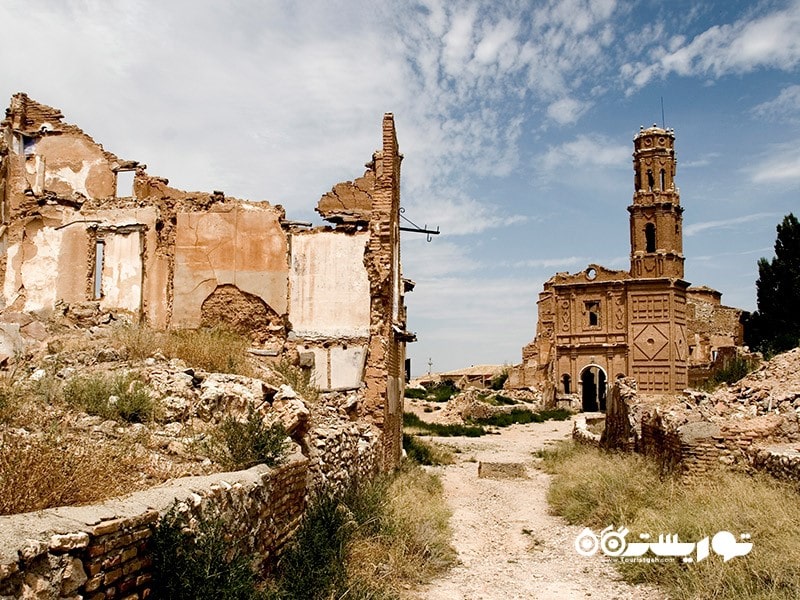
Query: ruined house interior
(598, 325)
(82, 228)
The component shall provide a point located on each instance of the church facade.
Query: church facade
(600, 324)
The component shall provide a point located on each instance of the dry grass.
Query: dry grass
(369, 543)
(299, 379)
(598, 489)
(216, 349)
(43, 472)
(412, 543)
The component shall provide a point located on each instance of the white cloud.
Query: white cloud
(767, 41)
(459, 215)
(566, 110)
(780, 170)
(586, 150)
(786, 106)
(438, 258)
(694, 228)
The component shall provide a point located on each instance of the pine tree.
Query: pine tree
(775, 326)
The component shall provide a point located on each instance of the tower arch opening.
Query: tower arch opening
(650, 237)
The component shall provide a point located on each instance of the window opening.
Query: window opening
(125, 184)
(566, 379)
(28, 145)
(650, 180)
(99, 252)
(650, 237)
(593, 310)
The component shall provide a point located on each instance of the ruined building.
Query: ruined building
(645, 323)
(85, 230)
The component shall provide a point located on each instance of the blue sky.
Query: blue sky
(515, 119)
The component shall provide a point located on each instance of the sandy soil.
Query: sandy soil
(509, 547)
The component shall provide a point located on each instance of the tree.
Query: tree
(775, 326)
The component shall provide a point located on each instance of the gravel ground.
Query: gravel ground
(509, 547)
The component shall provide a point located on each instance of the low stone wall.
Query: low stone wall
(782, 462)
(102, 551)
(581, 432)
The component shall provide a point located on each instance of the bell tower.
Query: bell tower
(656, 214)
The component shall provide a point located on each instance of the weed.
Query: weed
(599, 489)
(213, 349)
(43, 472)
(370, 541)
(732, 371)
(299, 379)
(242, 444)
(200, 565)
(415, 393)
(442, 391)
(121, 396)
(426, 453)
(412, 420)
(499, 380)
(313, 565)
(522, 415)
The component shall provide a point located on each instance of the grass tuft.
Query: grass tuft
(213, 349)
(242, 444)
(599, 489)
(43, 472)
(370, 542)
(299, 379)
(199, 565)
(426, 453)
(119, 397)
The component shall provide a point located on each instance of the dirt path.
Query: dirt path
(508, 545)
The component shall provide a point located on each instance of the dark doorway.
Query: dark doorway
(593, 389)
(589, 391)
(565, 380)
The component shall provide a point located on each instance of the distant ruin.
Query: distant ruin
(599, 325)
(83, 230)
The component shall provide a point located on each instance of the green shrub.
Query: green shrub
(243, 444)
(313, 565)
(368, 542)
(499, 380)
(412, 420)
(522, 415)
(415, 393)
(425, 453)
(119, 397)
(732, 371)
(203, 565)
(442, 391)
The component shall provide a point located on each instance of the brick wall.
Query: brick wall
(102, 551)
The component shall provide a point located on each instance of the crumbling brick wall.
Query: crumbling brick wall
(180, 259)
(103, 551)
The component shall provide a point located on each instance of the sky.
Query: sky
(515, 118)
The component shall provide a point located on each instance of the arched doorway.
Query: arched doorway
(593, 389)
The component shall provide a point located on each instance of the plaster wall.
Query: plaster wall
(122, 271)
(329, 286)
(241, 245)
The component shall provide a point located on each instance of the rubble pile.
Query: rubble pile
(477, 403)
